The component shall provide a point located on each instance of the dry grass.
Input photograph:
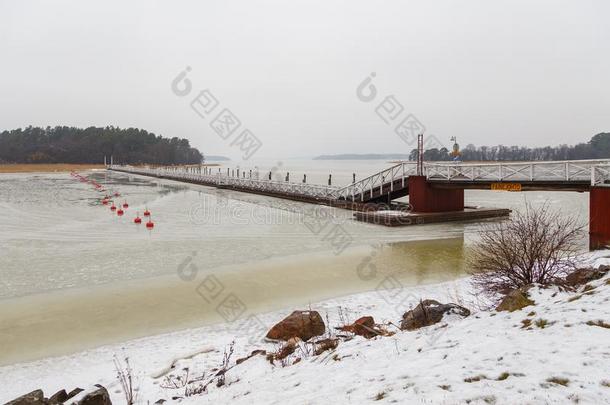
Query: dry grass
(542, 323)
(506, 374)
(380, 396)
(46, 167)
(503, 376)
(475, 378)
(599, 323)
(559, 381)
(574, 298)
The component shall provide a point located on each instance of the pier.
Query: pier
(435, 189)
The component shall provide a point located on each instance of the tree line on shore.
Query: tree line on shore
(64, 144)
(597, 148)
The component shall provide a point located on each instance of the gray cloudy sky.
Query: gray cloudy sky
(488, 72)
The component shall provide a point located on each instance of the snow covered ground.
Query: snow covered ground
(556, 351)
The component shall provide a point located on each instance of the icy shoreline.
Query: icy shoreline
(489, 357)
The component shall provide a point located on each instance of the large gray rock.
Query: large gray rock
(32, 398)
(429, 312)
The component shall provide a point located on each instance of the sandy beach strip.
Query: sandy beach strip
(69, 320)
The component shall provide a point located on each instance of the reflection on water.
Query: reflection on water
(55, 233)
(424, 258)
(80, 318)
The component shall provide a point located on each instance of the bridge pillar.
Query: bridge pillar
(424, 198)
(599, 217)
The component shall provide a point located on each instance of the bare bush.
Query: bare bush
(176, 381)
(126, 380)
(538, 245)
(226, 361)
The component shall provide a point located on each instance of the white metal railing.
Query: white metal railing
(220, 179)
(594, 171)
(358, 191)
(600, 174)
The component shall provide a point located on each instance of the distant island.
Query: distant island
(216, 158)
(64, 144)
(364, 156)
(598, 147)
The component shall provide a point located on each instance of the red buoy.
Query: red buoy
(137, 219)
(117, 195)
(105, 201)
(146, 213)
(150, 224)
(120, 212)
(125, 205)
(113, 207)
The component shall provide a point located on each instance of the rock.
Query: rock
(95, 396)
(364, 326)
(324, 345)
(254, 353)
(75, 392)
(286, 350)
(58, 398)
(429, 312)
(583, 276)
(515, 300)
(32, 398)
(301, 324)
(289, 347)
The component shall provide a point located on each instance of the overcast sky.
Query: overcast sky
(487, 72)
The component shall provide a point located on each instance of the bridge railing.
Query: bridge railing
(574, 170)
(594, 171)
(600, 175)
(379, 181)
(254, 184)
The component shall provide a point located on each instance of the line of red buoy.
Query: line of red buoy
(107, 199)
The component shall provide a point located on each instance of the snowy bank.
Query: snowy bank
(556, 351)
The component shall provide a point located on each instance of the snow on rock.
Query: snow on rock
(555, 351)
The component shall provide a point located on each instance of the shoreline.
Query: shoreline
(82, 318)
(171, 346)
(501, 347)
(6, 168)
(47, 167)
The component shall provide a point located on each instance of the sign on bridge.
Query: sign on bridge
(506, 186)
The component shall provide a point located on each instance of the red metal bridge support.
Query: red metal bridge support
(424, 198)
(599, 217)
